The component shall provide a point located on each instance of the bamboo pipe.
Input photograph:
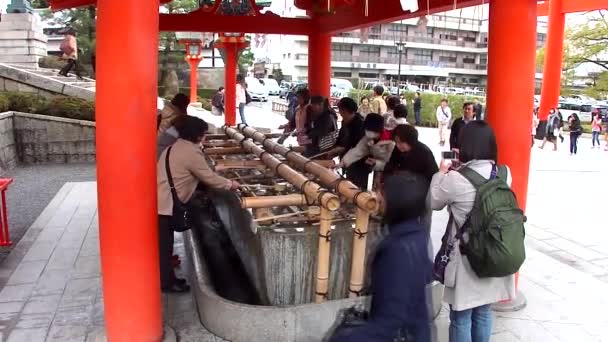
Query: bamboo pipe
(363, 199)
(273, 201)
(357, 268)
(225, 137)
(312, 190)
(321, 291)
(224, 150)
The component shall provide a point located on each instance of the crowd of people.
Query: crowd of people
(555, 127)
(384, 143)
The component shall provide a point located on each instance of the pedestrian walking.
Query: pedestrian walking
(69, 48)
(576, 130)
(552, 129)
(468, 115)
(444, 117)
(535, 122)
(417, 102)
(217, 102)
(241, 96)
(596, 129)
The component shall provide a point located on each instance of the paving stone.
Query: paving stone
(579, 251)
(526, 330)
(70, 315)
(11, 307)
(27, 272)
(52, 282)
(87, 267)
(72, 240)
(29, 335)
(67, 333)
(35, 320)
(40, 250)
(42, 304)
(50, 235)
(90, 247)
(504, 336)
(567, 332)
(63, 258)
(16, 293)
(539, 233)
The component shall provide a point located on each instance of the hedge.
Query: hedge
(430, 102)
(60, 106)
(206, 93)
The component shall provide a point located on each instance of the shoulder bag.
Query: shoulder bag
(328, 141)
(183, 213)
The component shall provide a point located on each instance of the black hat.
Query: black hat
(374, 122)
(181, 101)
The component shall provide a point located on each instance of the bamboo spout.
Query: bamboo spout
(322, 286)
(312, 190)
(357, 269)
(274, 201)
(363, 199)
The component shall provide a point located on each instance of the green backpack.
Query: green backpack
(495, 226)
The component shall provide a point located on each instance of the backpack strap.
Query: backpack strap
(472, 176)
(503, 172)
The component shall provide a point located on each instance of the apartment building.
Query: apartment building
(449, 48)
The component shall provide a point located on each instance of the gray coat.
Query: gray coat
(166, 139)
(463, 289)
(381, 151)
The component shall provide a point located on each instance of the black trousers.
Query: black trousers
(165, 249)
(72, 63)
(358, 176)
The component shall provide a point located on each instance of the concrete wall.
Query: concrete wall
(8, 149)
(33, 139)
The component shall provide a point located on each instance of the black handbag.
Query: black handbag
(183, 213)
(443, 256)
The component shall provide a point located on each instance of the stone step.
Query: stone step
(82, 84)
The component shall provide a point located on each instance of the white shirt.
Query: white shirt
(441, 118)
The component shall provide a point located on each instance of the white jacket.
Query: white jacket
(442, 119)
(463, 288)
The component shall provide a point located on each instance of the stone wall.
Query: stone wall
(8, 150)
(33, 139)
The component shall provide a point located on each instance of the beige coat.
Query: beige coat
(70, 41)
(378, 105)
(463, 289)
(167, 116)
(381, 151)
(188, 167)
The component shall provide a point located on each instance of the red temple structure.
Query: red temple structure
(127, 39)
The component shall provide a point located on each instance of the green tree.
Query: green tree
(591, 41)
(599, 88)
(277, 74)
(246, 59)
(39, 3)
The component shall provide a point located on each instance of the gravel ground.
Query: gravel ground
(32, 190)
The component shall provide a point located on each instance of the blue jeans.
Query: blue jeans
(242, 112)
(574, 143)
(417, 116)
(595, 136)
(473, 325)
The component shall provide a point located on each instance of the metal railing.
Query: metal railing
(414, 39)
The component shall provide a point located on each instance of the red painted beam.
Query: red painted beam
(352, 18)
(58, 5)
(200, 21)
(573, 6)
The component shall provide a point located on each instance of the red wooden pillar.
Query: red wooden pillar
(230, 84)
(511, 70)
(194, 79)
(126, 168)
(319, 64)
(554, 52)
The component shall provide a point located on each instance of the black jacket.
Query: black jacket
(419, 160)
(417, 104)
(455, 134)
(319, 127)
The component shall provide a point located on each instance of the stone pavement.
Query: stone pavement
(52, 277)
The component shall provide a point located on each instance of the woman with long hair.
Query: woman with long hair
(576, 130)
(596, 129)
(322, 120)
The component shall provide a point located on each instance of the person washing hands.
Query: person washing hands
(370, 148)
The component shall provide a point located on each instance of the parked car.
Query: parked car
(285, 88)
(272, 86)
(256, 89)
(582, 110)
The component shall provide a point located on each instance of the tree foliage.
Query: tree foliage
(599, 88)
(590, 41)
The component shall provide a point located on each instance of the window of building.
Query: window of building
(448, 58)
(448, 36)
(468, 59)
(398, 28)
(369, 51)
(423, 56)
(483, 59)
(341, 50)
(474, 80)
(430, 31)
(368, 75)
(343, 74)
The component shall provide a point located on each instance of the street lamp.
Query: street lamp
(400, 47)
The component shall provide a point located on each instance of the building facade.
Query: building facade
(448, 49)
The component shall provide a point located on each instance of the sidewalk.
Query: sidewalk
(53, 290)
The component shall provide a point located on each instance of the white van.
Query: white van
(272, 86)
(256, 89)
(340, 87)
